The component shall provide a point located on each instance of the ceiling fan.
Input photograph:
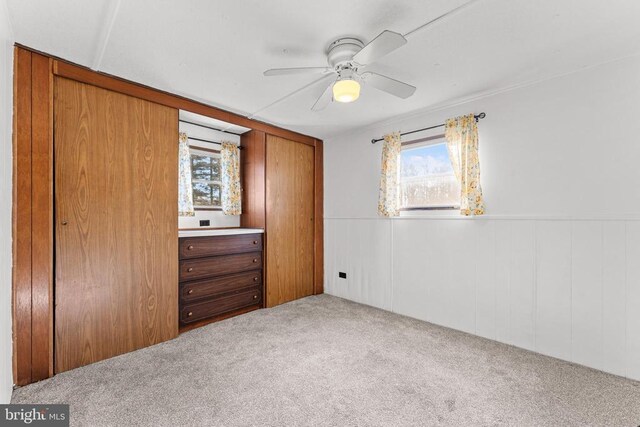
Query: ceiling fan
(347, 58)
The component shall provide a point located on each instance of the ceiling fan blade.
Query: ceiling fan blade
(324, 99)
(386, 42)
(298, 70)
(389, 85)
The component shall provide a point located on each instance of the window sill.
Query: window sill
(431, 213)
(206, 209)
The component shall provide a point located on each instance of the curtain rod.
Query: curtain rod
(209, 127)
(209, 141)
(477, 117)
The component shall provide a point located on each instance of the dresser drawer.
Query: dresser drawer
(201, 268)
(213, 307)
(197, 247)
(192, 291)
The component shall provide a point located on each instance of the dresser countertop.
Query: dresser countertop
(200, 232)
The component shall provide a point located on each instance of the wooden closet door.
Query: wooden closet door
(290, 221)
(116, 223)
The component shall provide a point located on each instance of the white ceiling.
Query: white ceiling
(215, 51)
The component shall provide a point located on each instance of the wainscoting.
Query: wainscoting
(566, 288)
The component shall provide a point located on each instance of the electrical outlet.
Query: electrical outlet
(205, 223)
(342, 275)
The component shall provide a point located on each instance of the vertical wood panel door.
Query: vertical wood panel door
(290, 220)
(116, 223)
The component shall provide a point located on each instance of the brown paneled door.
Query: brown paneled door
(290, 220)
(116, 224)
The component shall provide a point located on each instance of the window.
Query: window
(205, 179)
(427, 180)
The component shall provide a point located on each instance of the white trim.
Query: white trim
(391, 264)
(105, 34)
(626, 300)
(10, 33)
(409, 145)
(448, 14)
(202, 151)
(433, 215)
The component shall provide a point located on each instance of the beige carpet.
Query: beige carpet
(324, 361)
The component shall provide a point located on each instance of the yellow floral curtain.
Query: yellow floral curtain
(462, 142)
(230, 170)
(185, 191)
(388, 198)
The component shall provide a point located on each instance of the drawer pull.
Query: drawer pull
(190, 291)
(255, 242)
(255, 260)
(189, 270)
(255, 297)
(255, 279)
(189, 247)
(189, 314)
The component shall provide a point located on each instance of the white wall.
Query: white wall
(217, 218)
(554, 265)
(6, 110)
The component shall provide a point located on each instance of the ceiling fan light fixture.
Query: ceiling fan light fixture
(346, 90)
(347, 57)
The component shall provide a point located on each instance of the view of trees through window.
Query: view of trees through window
(205, 179)
(427, 178)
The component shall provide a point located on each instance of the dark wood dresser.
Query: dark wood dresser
(220, 277)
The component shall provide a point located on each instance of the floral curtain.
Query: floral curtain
(231, 191)
(185, 191)
(388, 198)
(462, 142)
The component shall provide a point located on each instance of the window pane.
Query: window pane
(205, 167)
(206, 194)
(201, 167)
(215, 168)
(426, 178)
(216, 195)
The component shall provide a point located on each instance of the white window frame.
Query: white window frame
(419, 143)
(200, 151)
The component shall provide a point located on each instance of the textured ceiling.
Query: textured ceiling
(215, 51)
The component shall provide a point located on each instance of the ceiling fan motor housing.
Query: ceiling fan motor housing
(341, 51)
